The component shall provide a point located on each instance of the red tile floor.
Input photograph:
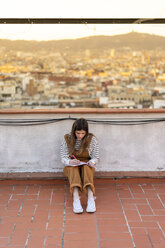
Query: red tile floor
(38, 214)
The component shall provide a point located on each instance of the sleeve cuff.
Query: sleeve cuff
(93, 161)
(65, 161)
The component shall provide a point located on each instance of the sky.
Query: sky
(79, 9)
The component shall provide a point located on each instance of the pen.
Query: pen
(74, 157)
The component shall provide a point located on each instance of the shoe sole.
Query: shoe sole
(78, 212)
(90, 211)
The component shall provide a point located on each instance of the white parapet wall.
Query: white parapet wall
(36, 148)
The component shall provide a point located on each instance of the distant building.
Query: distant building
(31, 89)
(159, 103)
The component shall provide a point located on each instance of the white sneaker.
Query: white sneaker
(91, 207)
(77, 208)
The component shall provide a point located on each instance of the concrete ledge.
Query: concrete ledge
(60, 175)
(80, 111)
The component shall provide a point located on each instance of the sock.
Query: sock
(75, 193)
(90, 193)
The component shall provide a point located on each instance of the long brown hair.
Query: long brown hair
(79, 124)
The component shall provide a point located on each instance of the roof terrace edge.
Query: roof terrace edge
(81, 111)
(98, 175)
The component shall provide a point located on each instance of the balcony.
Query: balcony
(35, 202)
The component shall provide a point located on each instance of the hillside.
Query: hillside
(136, 41)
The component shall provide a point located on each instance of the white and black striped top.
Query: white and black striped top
(93, 150)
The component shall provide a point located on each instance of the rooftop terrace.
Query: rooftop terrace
(38, 214)
(35, 202)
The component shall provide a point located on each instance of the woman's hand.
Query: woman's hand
(74, 161)
(91, 164)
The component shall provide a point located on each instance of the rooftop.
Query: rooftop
(35, 202)
(38, 213)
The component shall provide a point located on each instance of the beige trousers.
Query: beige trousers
(81, 177)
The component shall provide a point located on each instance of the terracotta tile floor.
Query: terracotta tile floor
(38, 214)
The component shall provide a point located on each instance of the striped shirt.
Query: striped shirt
(93, 150)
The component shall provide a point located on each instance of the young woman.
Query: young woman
(80, 146)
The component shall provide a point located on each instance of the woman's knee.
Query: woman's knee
(88, 169)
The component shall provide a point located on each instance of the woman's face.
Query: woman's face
(80, 134)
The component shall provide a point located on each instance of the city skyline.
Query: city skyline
(117, 75)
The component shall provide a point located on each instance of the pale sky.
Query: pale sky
(78, 9)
